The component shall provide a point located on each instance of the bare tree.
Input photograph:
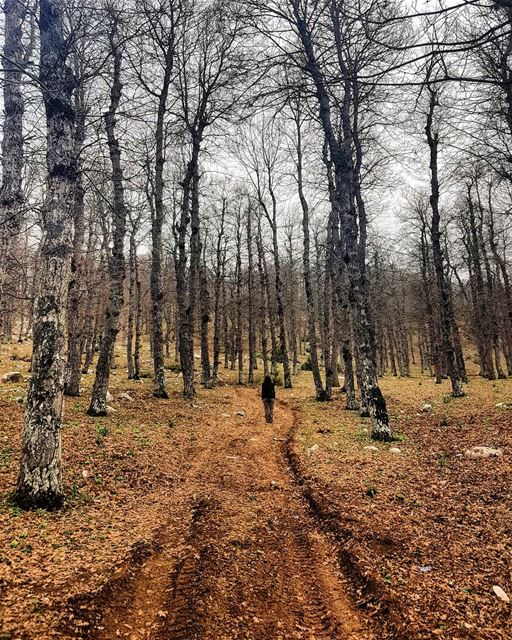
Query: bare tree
(39, 480)
(116, 260)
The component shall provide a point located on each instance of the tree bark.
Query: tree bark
(39, 480)
(250, 292)
(442, 285)
(74, 319)
(116, 262)
(219, 287)
(11, 191)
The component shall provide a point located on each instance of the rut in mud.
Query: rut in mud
(242, 557)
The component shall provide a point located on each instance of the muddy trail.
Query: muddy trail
(241, 558)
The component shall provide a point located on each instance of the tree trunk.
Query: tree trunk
(238, 300)
(263, 305)
(320, 393)
(157, 293)
(39, 480)
(206, 377)
(11, 193)
(116, 266)
(131, 307)
(187, 290)
(220, 266)
(250, 291)
(442, 285)
(74, 320)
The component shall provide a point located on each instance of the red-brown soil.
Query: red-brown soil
(186, 520)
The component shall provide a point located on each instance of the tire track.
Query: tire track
(252, 566)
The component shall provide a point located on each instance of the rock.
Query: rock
(240, 413)
(125, 396)
(85, 473)
(483, 452)
(426, 569)
(312, 449)
(504, 405)
(371, 448)
(226, 415)
(395, 450)
(111, 410)
(426, 408)
(500, 593)
(109, 397)
(12, 376)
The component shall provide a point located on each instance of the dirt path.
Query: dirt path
(241, 557)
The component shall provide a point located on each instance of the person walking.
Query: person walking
(268, 395)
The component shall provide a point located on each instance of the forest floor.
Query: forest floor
(196, 520)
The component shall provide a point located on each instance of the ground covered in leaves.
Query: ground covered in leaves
(195, 520)
(425, 531)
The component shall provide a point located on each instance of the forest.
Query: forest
(256, 319)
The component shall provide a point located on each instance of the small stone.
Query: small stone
(312, 449)
(85, 473)
(125, 396)
(109, 397)
(240, 413)
(483, 452)
(226, 415)
(12, 376)
(426, 408)
(371, 448)
(426, 569)
(500, 593)
(395, 450)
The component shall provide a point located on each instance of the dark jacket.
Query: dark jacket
(268, 389)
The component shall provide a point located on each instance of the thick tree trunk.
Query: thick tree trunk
(371, 394)
(39, 480)
(98, 405)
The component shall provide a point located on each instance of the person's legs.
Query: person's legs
(268, 409)
(271, 410)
